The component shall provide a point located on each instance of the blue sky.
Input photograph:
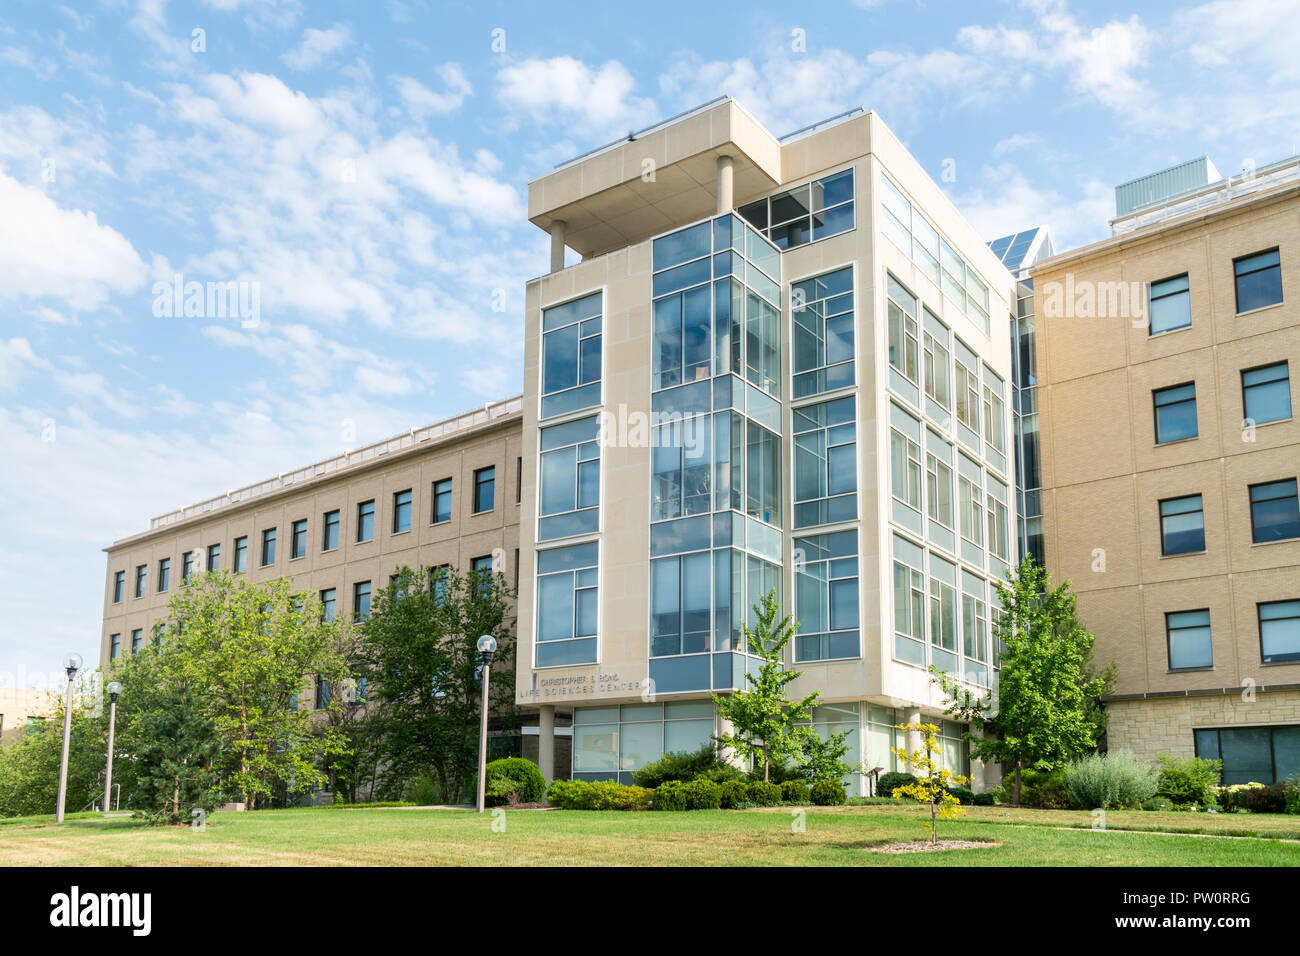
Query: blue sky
(366, 164)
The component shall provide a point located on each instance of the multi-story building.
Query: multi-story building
(1170, 455)
(21, 708)
(446, 494)
(781, 364)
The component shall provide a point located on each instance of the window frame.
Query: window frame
(403, 507)
(296, 528)
(1293, 496)
(366, 521)
(1285, 365)
(1287, 658)
(1169, 639)
(1152, 298)
(239, 554)
(479, 484)
(1237, 276)
(1156, 406)
(269, 537)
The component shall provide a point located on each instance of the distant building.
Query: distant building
(21, 709)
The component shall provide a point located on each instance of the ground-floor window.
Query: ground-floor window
(1252, 754)
(610, 742)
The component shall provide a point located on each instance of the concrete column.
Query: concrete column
(546, 741)
(557, 245)
(726, 181)
(914, 739)
(728, 754)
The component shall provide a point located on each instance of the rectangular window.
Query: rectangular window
(999, 519)
(571, 347)
(1252, 754)
(187, 566)
(943, 619)
(366, 521)
(967, 386)
(1274, 515)
(119, 587)
(361, 601)
(902, 330)
(905, 469)
(324, 691)
(974, 638)
(298, 539)
(683, 346)
(567, 605)
(214, 557)
(480, 571)
(1266, 393)
(823, 346)
(825, 462)
(442, 500)
(805, 213)
(1170, 305)
(240, 563)
(680, 468)
(402, 511)
(328, 603)
(938, 361)
(141, 580)
(268, 547)
(909, 614)
(137, 640)
(1182, 525)
(330, 531)
(439, 581)
(1175, 412)
(164, 574)
(569, 489)
(484, 489)
(938, 481)
(826, 596)
(680, 604)
(995, 410)
(114, 646)
(519, 479)
(969, 499)
(1188, 636)
(1279, 631)
(1259, 280)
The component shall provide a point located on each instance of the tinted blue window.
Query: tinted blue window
(1175, 412)
(1266, 393)
(1259, 280)
(1274, 515)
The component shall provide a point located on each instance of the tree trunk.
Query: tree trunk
(176, 800)
(1015, 799)
(934, 831)
(767, 766)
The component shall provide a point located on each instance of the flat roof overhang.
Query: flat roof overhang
(664, 177)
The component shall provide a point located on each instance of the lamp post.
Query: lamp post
(71, 664)
(114, 689)
(487, 645)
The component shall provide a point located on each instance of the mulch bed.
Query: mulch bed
(925, 846)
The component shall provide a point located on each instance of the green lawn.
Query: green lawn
(831, 836)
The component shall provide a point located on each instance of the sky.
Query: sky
(359, 171)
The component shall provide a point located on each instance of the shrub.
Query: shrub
(685, 765)
(795, 791)
(512, 777)
(702, 794)
(984, 799)
(1042, 789)
(1190, 779)
(1157, 803)
(964, 795)
(1103, 781)
(828, 793)
(423, 791)
(764, 794)
(733, 794)
(889, 782)
(596, 795)
(1293, 795)
(1255, 797)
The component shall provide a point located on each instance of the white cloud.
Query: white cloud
(21, 57)
(49, 252)
(563, 90)
(1005, 201)
(316, 47)
(420, 101)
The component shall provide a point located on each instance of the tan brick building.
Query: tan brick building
(445, 494)
(1169, 459)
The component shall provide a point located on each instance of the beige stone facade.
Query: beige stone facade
(18, 706)
(1105, 474)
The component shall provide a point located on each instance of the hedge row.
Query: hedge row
(702, 794)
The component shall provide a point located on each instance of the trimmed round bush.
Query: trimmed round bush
(702, 794)
(1189, 779)
(765, 794)
(889, 782)
(965, 796)
(670, 795)
(733, 794)
(513, 776)
(795, 791)
(984, 799)
(828, 793)
(596, 795)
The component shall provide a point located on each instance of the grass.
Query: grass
(837, 836)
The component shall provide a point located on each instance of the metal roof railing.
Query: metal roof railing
(348, 459)
(1214, 194)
